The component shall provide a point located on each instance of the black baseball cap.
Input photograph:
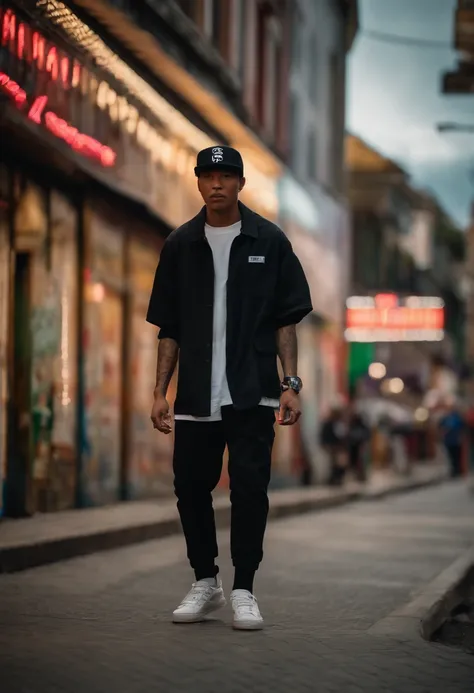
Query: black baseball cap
(219, 158)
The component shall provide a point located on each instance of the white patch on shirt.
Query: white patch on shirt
(260, 259)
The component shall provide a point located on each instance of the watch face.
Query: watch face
(294, 383)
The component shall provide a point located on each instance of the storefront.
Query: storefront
(96, 167)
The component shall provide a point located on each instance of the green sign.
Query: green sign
(361, 355)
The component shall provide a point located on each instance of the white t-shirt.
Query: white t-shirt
(220, 240)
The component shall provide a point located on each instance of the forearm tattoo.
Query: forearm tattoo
(167, 359)
(287, 345)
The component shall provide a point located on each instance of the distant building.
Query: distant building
(404, 244)
(461, 80)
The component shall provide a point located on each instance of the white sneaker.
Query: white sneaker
(247, 615)
(202, 599)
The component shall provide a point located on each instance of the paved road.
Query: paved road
(101, 623)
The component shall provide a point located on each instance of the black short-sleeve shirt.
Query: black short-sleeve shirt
(266, 290)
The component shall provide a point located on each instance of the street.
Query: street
(102, 623)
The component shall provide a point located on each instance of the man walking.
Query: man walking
(227, 295)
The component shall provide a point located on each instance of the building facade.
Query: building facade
(403, 245)
(104, 107)
(315, 215)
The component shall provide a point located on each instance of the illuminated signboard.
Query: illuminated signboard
(83, 93)
(389, 318)
(28, 48)
(73, 98)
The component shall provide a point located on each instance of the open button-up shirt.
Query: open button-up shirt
(266, 290)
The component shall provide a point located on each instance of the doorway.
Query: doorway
(19, 439)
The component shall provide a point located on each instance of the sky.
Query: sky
(395, 99)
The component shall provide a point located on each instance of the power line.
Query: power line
(403, 40)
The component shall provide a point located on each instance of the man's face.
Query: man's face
(220, 189)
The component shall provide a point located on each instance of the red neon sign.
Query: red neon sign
(83, 144)
(386, 301)
(30, 45)
(12, 89)
(395, 318)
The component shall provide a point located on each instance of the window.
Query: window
(213, 18)
(313, 69)
(294, 132)
(336, 121)
(312, 157)
(238, 22)
(297, 31)
(212, 12)
(269, 70)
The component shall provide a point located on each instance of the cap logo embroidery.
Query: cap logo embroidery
(217, 155)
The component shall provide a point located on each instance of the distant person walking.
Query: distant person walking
(333, 440)
(358, 435)
(452, 427)
(227, 295)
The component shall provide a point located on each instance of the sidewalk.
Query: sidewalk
(48, 538)
(342, 593)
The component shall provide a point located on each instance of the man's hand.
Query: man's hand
(290, 410)
(160, 414)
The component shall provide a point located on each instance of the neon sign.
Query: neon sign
(32, 47)
(12, 89)
(387, 318)
(83, 144)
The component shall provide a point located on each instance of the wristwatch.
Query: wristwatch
(292, 382)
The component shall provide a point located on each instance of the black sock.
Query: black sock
(206, 571)
(243, 579)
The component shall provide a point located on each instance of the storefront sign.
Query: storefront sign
(107, 113)
(389, 318)
(30, 48)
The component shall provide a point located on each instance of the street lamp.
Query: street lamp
(455, 127)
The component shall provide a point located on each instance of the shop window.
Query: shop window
(103, 376)
(149, 458)
(64, 270)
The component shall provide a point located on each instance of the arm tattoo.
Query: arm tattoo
(167, 359)
(287, 345)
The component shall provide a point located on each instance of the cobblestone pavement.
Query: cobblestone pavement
(102, 623)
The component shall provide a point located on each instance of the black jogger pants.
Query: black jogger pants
(197, 464)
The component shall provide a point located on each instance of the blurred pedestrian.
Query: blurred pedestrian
(333, 439)
(358, 435)
(452, 428)
(227, 295)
